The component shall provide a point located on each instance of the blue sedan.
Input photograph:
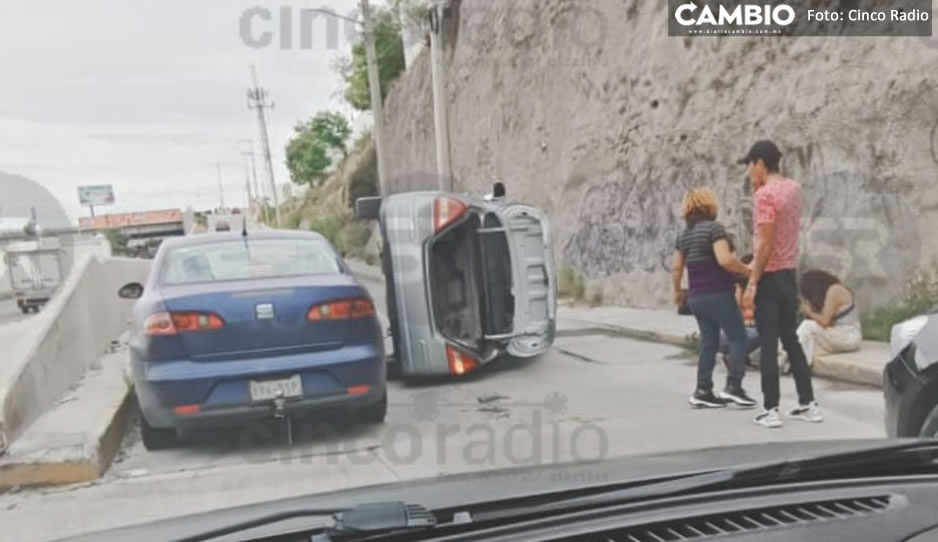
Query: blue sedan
(233, 327)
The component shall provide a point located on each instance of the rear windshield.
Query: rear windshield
(251, 259)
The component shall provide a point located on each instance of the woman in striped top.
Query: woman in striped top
(712, 270)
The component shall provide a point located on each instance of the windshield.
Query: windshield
(257, 250)
(241, 260)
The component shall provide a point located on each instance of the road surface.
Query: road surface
(594, 395)
(10, 312)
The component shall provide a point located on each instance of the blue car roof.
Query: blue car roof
(209, 238)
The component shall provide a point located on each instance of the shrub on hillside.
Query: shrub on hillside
(920, 295)
(363, 182)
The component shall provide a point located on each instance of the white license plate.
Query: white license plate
(265, 390)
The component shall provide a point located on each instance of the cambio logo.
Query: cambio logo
(743, 15)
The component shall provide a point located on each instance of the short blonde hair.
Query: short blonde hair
(699, 204)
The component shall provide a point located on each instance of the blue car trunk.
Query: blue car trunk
(266, 318)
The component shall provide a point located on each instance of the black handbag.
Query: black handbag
(684, 308)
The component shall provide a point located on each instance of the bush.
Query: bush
(354, 237)
(363, 182)
(570, 284)
(329, 226)
(920, 295)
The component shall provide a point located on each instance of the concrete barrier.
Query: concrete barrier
(74, 329)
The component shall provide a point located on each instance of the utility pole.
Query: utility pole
(247, 186)
(257, 99)
(250, 154)
(377, 106)
(221, 188)
(438, 76)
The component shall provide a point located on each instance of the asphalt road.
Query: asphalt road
(593, 396)
(10, 312)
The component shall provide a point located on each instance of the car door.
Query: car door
(533, 279)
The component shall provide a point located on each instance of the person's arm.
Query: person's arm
(764, 217)
(834, 301)
(677, 276)
(761, 257)
(727, 260)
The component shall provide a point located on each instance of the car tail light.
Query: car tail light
(340, 310)
(446, 211)
(171, 323)
(187, 409)
(460, 363)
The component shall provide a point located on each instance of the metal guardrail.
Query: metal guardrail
(23, 236)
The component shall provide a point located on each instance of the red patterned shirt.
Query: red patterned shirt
(779, 201)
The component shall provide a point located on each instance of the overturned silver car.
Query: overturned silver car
(469, 279)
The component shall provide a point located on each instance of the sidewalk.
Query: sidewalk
(77, 438)
(862, 367)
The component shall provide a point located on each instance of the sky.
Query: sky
(148, 95)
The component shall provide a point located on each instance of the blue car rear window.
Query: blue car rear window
(256, 259)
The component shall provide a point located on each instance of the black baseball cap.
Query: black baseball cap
(763, 150)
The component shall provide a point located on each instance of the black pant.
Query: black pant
(777, 318)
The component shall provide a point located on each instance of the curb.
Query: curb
(837, 367)
(684, 341)
(90, 464)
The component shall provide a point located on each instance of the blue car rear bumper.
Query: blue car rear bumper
(334, 379)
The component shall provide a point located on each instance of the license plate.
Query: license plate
(266, 390)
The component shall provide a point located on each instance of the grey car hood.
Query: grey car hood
(469, 489)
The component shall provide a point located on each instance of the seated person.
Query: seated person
(831, 319)
(752, 336)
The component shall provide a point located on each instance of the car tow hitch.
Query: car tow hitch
(280, 412)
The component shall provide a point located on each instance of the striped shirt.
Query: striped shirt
(704, 273)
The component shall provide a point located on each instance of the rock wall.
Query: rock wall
(591, 111)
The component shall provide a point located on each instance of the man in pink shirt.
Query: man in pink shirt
(772, 291)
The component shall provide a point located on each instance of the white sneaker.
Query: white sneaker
(809, 413)
(769, 418)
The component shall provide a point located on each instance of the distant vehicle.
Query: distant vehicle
(36, 269)
(469, 279)
(221, 225)
(230, 329)
(910, 380)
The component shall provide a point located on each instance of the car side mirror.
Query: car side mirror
(131, 290)
(368, 208)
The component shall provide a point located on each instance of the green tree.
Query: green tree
(332, 129)
(308, 152)
(389, 48)
(118, 240)
(307, 157)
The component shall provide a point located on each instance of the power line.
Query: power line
(257, 99)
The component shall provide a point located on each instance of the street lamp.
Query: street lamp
(374, 85)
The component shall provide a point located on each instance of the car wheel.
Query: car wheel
(930, 425)
(155, 438)
(393, 368)
(374, 413)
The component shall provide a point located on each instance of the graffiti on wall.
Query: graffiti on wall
(851, 226)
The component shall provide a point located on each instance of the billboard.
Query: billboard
(98, 194)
